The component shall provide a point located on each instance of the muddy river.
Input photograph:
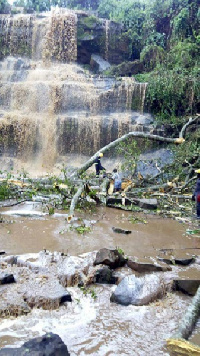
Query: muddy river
(99, 327)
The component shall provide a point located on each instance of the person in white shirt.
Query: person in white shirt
(117, 180)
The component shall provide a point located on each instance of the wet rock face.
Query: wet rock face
(63, 110)
(142, 267)
(127, 69)
(138, 291)
(102, 37)
(47, 345)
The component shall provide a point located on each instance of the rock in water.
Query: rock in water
(47, 345)
(111, 258)
(138, 291)
(6, 278)
(121, 231)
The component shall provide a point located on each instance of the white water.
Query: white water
(99, 327)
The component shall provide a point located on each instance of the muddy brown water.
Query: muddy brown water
(27, 232)
(98, 327)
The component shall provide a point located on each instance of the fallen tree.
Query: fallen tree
(113, 144)
(163, 187)
(177, 344)
(138, 186)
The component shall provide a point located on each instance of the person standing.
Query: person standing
(117, 180)
(196, 194)
(98, 165)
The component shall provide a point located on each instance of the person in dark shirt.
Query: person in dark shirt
(98, 165)
(196, 195)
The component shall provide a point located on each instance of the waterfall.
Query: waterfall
(143, 89)
(61, 37)
(16, 35)
(138, 96)
(50, 38)
(49, 106)
(107, 26)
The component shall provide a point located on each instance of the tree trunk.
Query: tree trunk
(188, 322)
(178, 344)
(112, 144)
(74, 202)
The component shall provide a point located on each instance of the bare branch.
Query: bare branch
(190, 122)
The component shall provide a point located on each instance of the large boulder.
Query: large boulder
(98, 64)
(74, 270)
(138, 291)
(111, 258)
(47, 345)
(12, 303)
(150, 163)
(45, 292)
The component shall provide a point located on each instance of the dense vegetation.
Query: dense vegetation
(165, 38)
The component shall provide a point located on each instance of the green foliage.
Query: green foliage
(51, 210)
(130, 151)
(193, 232)
(90, 291)
(186, 152)
(120, 250)
(183, 55)
(172, 93)
(82, 229)
(136, 220)
(92, 192)
(143, 77)
(181, 25)
(151, 56)
(5, 191)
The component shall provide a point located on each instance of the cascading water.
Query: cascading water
(61, 37)
(50, 108)
(107, 22)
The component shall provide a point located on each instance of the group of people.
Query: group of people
(115, 176)
(118, 182)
